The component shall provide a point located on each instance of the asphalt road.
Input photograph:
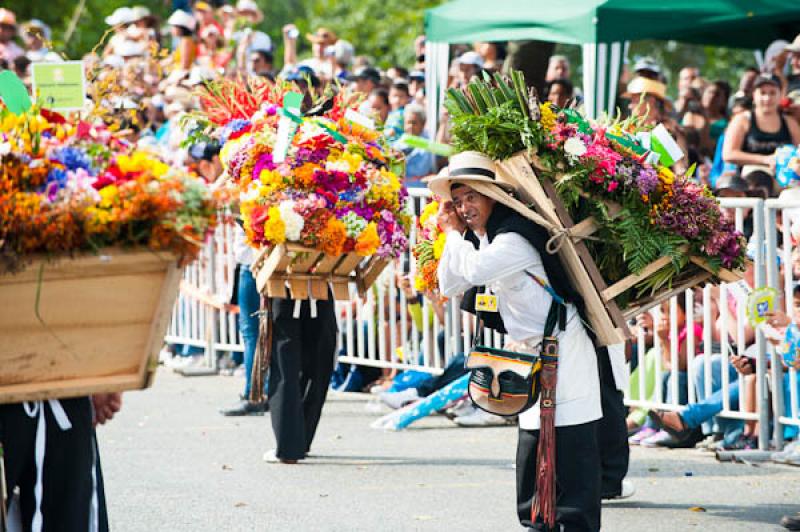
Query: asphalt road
(172, 463)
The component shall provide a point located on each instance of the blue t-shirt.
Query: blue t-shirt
(790, 348)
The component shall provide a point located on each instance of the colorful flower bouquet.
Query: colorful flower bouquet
(69, 187)
(428, 250)
(641, 232)
(92, 232)
(333, 187)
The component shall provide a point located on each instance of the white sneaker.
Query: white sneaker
(480, 418)
(788, 451)
(398, 399)
(272, 458)
(628, 489)
(463, 408)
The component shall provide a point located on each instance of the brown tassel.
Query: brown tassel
(263, 354)
(544, 503)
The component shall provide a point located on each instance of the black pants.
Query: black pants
(303, 352)
(69, 461)
(612, 432)
(577, 478)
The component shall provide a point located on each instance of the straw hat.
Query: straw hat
(795, 46)
(468, 168)
(250, 9)
(652, 87)
(322, 36)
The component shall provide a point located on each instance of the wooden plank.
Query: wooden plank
(646, 303)
(298, 288)
(348, 264)
(725, 275)
(632, 280)
(63, 389)
(276, 288)
(370, 273)
(341, 291)
(304, 261)
(276, 260)
(160, 323)
(584, 228)
(327, 263)
(319, 289)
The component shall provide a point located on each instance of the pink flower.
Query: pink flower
(612, 186)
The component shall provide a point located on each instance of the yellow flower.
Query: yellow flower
(108, 195)
(429, 211)
(548, 119)
(665, 175)
(353, 161)
(368, 241)
(438, 246)
(274, 228)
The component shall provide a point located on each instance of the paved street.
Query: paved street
(173, 464)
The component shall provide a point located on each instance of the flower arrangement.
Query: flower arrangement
(69, 186)
(336, 188)
(594, 165)
(429, 248)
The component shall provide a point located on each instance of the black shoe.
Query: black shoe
(791, 522)
(687, 441)
(245, 408)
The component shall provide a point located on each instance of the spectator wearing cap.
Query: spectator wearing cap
(648, 100)
(559, 92)
(419, 162)
(647, 67)
(9, 50)
(397, 72)
(469, 65)
(183, 29)
(260, 63)
(227, 16)
(343, 52)
(306, 80)
(752, 138)
(557, 68)
(36, 36)
(319, 61)
(250, 11)
(204, 14)
(366, 80)
(120, 19)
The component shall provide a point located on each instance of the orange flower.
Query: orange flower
(333, 237)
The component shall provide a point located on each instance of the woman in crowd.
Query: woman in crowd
(183, 26)
(752, 138)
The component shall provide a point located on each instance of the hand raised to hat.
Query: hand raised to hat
(448, 219)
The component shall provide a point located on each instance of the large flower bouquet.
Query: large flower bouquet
(68, 186)
(336, 189)
(606, 170)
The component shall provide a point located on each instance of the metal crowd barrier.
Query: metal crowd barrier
(376, 331)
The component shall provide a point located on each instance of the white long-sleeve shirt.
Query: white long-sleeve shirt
(523, 305)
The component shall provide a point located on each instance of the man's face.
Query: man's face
(258, 65)
(466, 72)
(413, 124)
(686, 77)
(472, 207)
(379, 106)
(557, 70)
(7, 32)
(364, 85)
(558, 95)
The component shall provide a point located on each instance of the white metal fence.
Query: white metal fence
(377, 331)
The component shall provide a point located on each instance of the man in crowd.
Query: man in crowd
(557, 68)
(9, 50)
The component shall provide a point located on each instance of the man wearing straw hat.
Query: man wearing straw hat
(495, 241)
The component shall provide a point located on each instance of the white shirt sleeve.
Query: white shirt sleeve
(462, 266)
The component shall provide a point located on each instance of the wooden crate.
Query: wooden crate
(99, 328)
(307, 272)
(608, 321)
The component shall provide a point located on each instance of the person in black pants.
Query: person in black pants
(69, 476)
(612, 432)
(303, 352)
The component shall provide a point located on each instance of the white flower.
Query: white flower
(293, 222)
(574, 147)
(338, 166)
(5, 148)
(251, 194)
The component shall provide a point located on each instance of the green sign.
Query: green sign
(59, 86)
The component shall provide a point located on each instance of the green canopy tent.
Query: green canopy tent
(602, 27)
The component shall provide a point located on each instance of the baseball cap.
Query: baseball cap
(471, 58)
(183, 19)
(121, 15)
(765, 79)
(368, 73)
(415, 75)
(646, 63)
(303, 73)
